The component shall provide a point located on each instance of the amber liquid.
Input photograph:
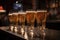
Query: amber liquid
(15, 18)
(10, 18)
(40, 16)
(30, 17)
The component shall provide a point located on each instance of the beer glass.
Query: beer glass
(15, 21)
(21, 20)
(13, 18)
(11, 21)
(30, 17)
(41, 17)
(41, 21)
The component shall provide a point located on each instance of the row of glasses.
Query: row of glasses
(18, 21)
(40, 16)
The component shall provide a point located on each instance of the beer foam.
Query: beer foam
(41, 10)
(15, 13)
(9, 14)
(31, 11)
(2, 10)
(21, 12)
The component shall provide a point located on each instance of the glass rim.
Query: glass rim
(30, 11)
(14, 13)
(10, 14)
(41, 10)
(21, 12)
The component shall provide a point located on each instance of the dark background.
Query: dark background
(27, 4)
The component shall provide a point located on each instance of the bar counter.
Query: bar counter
(8, 35)
(53, 24)
(51, 34)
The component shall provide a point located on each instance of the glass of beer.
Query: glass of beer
(21, 18)
(21, 21)
(10, 18)
(41, 17)
(41, 21)
(15, 18)
(10, 21)
(30, 18)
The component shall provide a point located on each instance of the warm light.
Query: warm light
(53, 5)
(31, 33)
(10, 14)
(31, 12)
(15, 13)
(42, 29)
(21, 12)
(12, 28)
(41, 10)
(16, 1)
(1, 8)
(26, 36)
(22, 31)
(15, 30)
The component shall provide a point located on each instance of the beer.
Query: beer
(21, 17)
(30, 16)
(41, 18)
(15, 18)
(10, 17)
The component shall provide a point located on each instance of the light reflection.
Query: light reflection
(15, 30)
(31, 33)
(22, 31)
(26, 36)
(12, 28)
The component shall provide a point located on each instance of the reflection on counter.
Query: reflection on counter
(50, 34)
